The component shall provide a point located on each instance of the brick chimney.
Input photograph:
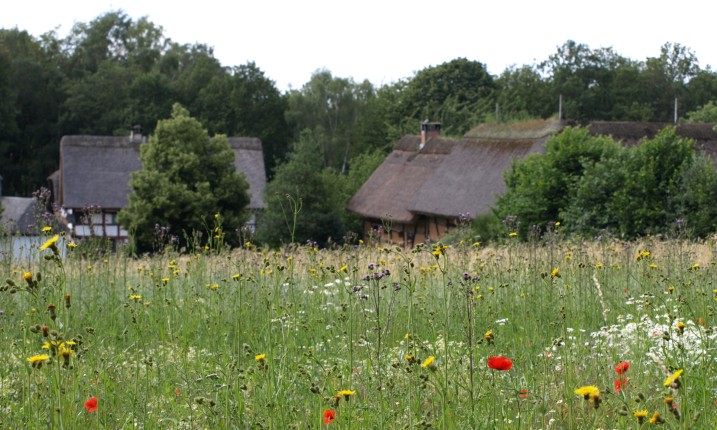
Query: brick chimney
(428, 130)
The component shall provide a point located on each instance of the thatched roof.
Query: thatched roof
(389, 190)
(95, 170)
(249, 159)
(630, 133)
(19, 215)
(450, 178)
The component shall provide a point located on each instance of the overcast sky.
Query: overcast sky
(387, 40)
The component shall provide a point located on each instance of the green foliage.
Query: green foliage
(593, 184)
(302, 205)
(186, 178)
(707, 113)
(459, 93)
(540, 186)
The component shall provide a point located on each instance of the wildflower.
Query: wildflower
(65, 353)
(523, 393)
(135, 297)
(500, 363)
(27, 276)
(586, 391)
(50, 243)
(236, 276)
(343, 269)
(71, 245)
(260, 357)
(329, 416)
(46, 229)
(681, 327)
(656, 418)
(213, 286)
(165, 280)
(411, 359)
(429, 363)
(640, 415)
(488, 336)
(513, 234)
(695, 266)
(51, 308)
(674, 380)
(68, 301)
(346, 394)
(620, 384)
(622, 367)
(641, 255)
(37, 360)
(91, 405)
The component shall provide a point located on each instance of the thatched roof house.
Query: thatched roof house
(95, 171)
(421, 192)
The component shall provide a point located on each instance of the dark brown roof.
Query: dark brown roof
(19, 215)
(465, 176)
(391, 187)
(249, 159)
(95, 170)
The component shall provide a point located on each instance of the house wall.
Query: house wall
(25, 249)
(103, 224)
(408, 234)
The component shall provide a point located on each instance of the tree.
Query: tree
(459, 93)
(302, 205)
(542, 186)
(186, 178)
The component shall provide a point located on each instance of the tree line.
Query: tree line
(114, 73)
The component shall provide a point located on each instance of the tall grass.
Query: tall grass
(386, 337)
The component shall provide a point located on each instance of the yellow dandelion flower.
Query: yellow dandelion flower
(260, 357)
(50, 242)
(213, 286)
(656, 418)
(72, 245)
(640, 415)
(513, 234)
(674, 378)
(236, 276)
(38, 358)
(428, 363)
(555, 273)
(27, 276)
(165, 280)
(343, 268)
(46, 229)
(346, 394)
(135, 297)
(587, 391)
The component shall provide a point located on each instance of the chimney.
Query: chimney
(135, 134)
(428, 130)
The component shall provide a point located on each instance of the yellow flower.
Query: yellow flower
(642, 254)
(38, 358)
(46, 229)
(343, 268)
(587, 391)
(488, 335)
(428, 363)
(135, 297)
(555, 273)
(513, 234)
(236, 276)
(165, 280)
(640, 415)
(260, 357)
(346, 394)
(27, 276)
(674, 378)
(71, 245)
(50, 242)
(656, 419)
(213, 286)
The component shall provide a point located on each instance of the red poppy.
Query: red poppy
(622, 367)
(500, 363)
(91, 405)
(329, 416)
(523, 393)
(620, 384)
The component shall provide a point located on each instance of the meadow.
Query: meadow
(552, 334)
